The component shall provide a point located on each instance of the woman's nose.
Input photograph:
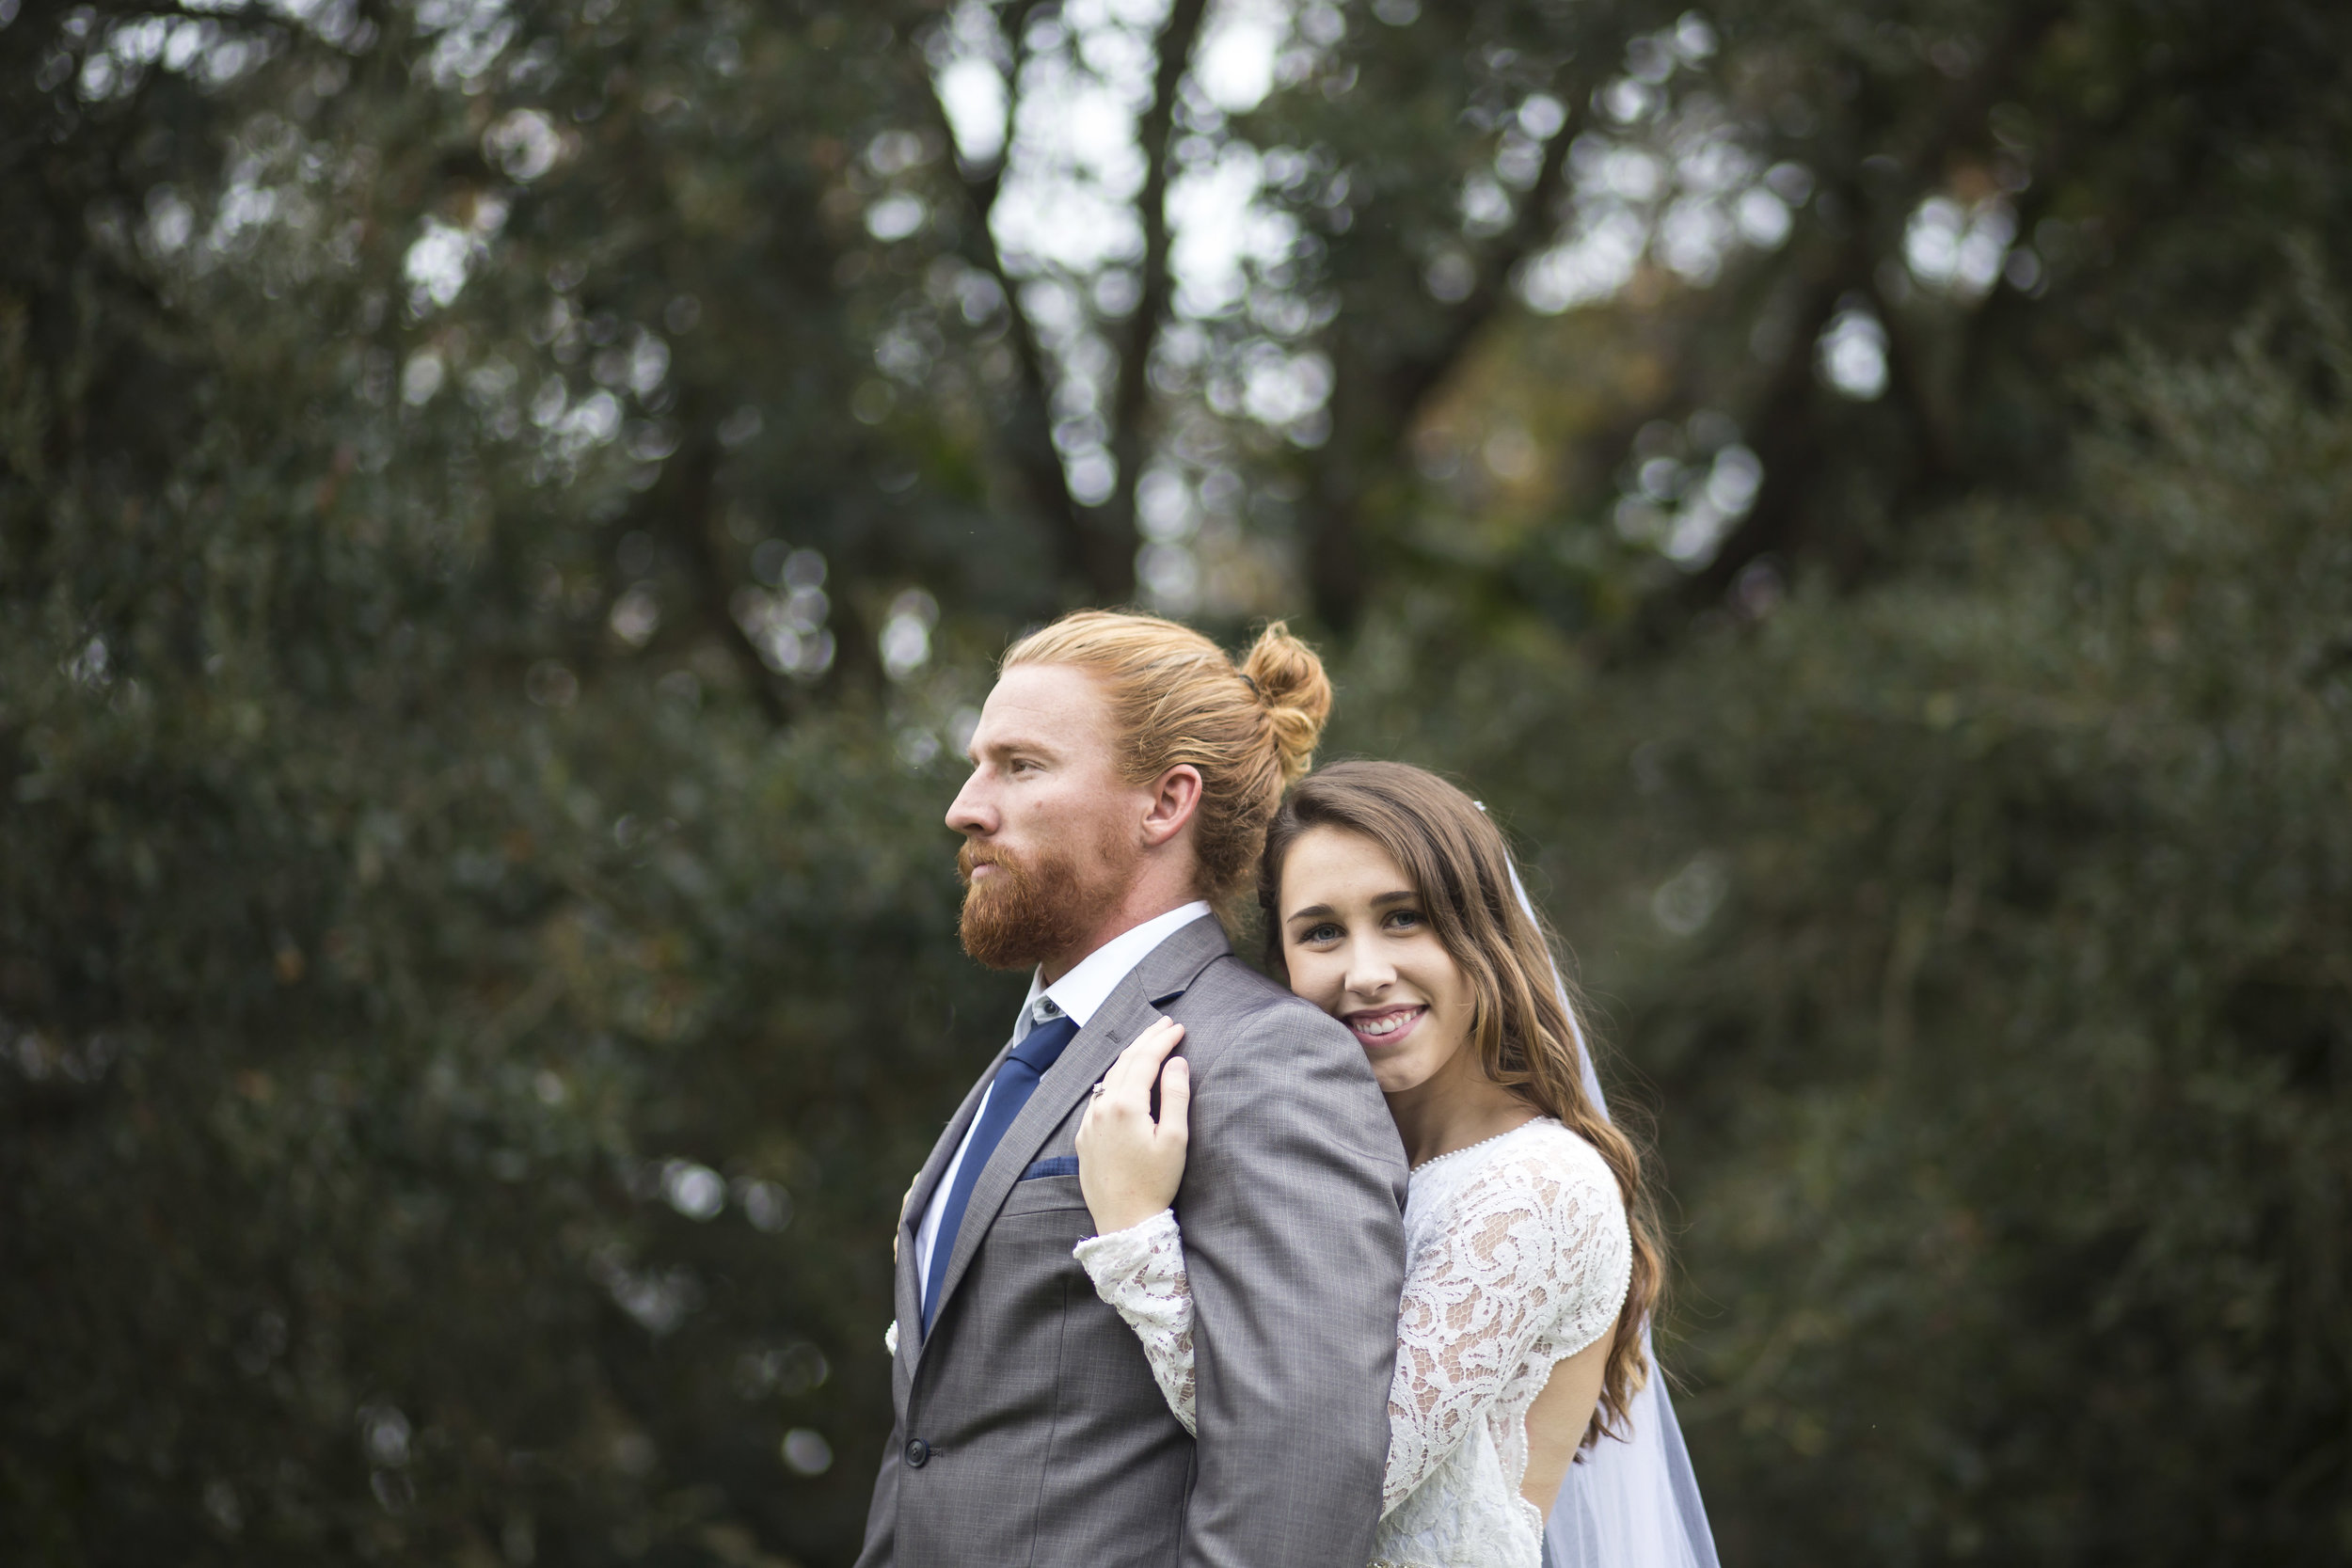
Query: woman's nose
(1367, 974)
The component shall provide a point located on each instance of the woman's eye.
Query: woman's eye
(1403, 920)
(1318, 934)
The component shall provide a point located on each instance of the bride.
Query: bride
(1534, 1258)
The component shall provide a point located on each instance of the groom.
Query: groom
(1124, 772)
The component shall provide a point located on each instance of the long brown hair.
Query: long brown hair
(1519, 1024)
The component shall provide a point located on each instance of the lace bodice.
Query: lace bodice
(1519, 1256)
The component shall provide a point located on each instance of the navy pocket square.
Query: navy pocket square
(1058, 1165)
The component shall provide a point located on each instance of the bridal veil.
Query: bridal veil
(1631, 1502)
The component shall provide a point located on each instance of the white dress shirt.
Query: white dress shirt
(1080, 994)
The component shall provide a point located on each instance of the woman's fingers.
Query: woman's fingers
(1129, 1080)
(1120, 1082)
(1176, 1100)
(1129, 1167)
(1158, 1040)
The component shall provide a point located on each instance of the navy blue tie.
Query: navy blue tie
(1016, 1080)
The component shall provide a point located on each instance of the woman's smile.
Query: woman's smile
(1380, 1027)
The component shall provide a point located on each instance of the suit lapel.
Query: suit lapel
(951, 1138)
(907, 1297)
(1164, 973)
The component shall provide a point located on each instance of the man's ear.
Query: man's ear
(1175, 796)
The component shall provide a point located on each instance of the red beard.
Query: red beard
(1029, 909)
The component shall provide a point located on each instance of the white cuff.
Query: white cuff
(1123, 1254)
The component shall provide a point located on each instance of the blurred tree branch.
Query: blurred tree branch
(1027, 424)
(1375, 405)
(1788, 429)
(683, 508)
(1131, 400)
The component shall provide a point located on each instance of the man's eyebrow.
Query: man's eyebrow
(1020, 743)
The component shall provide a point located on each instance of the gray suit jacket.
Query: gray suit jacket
(1029, 1431)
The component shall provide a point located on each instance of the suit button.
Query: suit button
(919, 1454)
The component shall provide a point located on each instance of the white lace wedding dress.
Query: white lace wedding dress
(1517, 1256)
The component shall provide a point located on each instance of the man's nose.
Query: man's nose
(971, 812)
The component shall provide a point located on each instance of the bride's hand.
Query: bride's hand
(1128, 1166)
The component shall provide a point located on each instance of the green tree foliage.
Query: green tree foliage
(505, 508)
(1983, 934)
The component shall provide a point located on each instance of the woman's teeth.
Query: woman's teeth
(1385, 1025)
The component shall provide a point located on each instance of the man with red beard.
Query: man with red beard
(1124, 772)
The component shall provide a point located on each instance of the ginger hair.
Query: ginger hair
(1176, 697)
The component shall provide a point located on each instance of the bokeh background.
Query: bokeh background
(507, 511)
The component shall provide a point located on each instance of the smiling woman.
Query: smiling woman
(1364, 952)
(1390, 903)
(1534, 1265)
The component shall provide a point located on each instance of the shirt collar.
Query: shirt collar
(1090, 981)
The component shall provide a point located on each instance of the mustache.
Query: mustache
(971, 857)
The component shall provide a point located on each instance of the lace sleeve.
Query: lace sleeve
(1529, 1249)
(1140, 1271)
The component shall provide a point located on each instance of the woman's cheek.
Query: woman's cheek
(1314, 978)
(1445, 1035)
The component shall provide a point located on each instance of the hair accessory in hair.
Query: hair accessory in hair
(1252, 684)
